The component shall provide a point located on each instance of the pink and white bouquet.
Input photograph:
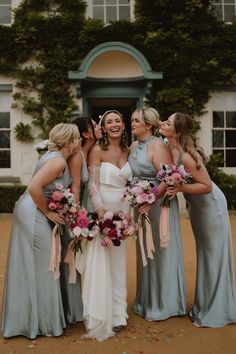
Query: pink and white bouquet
(139, 192)
(82, 225)
(173, 175)
(115, 227)
(62, 200)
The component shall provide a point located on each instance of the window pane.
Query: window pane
(221, 153)
(5, 2)
(5, 139)
(218, 138)
(230, 137)
(111, 2)
(111, 13)
(218, 119)
(231, 119)
(98, 2)
(127, 2)
(229, 13)
(5, 14)
(231, 158)
(124, 13)
(5, 159)
(5, 120)
(98, 12)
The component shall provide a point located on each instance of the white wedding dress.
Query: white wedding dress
(104, 268)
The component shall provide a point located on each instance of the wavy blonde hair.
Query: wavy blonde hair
(149, 115)
(62, 134)
(184, 125)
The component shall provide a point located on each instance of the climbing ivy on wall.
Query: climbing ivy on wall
(182, 39)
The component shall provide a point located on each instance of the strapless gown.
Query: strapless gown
(104, 278)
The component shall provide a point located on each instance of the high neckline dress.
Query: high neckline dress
(160, 291)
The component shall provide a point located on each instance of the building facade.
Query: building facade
(113, 75)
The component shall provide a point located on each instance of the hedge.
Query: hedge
(9, 194)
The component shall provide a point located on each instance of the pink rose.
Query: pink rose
(82, 221)
(57, 195)
(142, 198)
(52, 206)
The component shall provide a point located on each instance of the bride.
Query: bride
(104, 286)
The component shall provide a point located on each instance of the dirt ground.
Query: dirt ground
(175, 335)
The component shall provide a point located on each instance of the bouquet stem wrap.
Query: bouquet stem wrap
(70, 260)
(164, 226)
(143, 221)
(55, 258)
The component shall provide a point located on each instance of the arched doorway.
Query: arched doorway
(113, 75)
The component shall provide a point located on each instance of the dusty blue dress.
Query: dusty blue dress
(71, 293)
(32, 303)
(160, 291)
(215, 296)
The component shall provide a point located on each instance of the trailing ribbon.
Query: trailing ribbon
(55, 258)
(164, 227)
(70, 260)
(149, 239)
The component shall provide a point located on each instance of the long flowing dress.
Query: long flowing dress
(32, 303)
(104, 286)
(160, 291)
(71, 293)
(215, 295)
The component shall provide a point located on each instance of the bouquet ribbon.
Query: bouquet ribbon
(55, 258)
(70, 260)
(149, 239)
(164, 226)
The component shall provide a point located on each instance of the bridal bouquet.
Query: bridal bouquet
(139, 192)
(172, 175)
(115, 227)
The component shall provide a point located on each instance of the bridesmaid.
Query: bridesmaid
(90, 132)
(32, 304)
(160, 291)
(215, 296)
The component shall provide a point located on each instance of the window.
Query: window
(225, 10)
(224, 136)
(5, 152)
(5, 12)
(111, 10)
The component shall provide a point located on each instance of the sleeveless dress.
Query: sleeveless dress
(104, 285)
(32, 303)
(160, 291)
(71, 293)
(215, 295)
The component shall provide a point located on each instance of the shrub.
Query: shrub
(227, 183)
(9, 194)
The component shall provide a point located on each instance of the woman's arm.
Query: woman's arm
(51, 170)
(202, 182)
(75, 163)
(94, 163)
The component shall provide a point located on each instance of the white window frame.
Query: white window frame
(10, 7)
(223, 129)
(6, 89)
(117, 5)
(223, 4)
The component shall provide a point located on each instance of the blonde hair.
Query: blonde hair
(149, 115)
(62, 134)
(184, 125)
